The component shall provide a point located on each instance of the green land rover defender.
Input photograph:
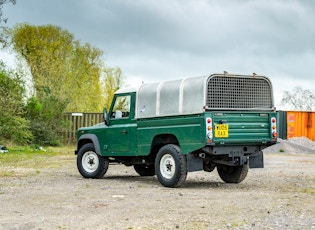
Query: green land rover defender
(170, 128)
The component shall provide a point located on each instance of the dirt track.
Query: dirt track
(280, 196)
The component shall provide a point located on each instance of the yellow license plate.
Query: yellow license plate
(221, 130)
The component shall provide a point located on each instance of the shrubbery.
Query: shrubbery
(36, 122)
(13, 125)
(46, 119)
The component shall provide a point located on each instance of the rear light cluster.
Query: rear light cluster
(209, 132)
(274, 127)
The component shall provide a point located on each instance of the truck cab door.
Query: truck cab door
(122, 126)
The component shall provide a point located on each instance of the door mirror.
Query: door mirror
(105, 115)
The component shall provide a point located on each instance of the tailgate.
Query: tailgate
(243, 127)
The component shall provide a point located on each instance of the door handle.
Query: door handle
(124, 132)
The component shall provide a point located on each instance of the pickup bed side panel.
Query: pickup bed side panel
(188, 131)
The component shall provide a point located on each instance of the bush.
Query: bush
(16, 129)
(44, 134)
(46, 117)
(13, 125)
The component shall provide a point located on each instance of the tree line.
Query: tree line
(56, 74)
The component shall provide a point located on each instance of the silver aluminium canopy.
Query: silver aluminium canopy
(197, 94)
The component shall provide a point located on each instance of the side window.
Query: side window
(121, 107)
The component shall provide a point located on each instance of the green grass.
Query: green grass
(25, 161)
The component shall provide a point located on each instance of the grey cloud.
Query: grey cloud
(182, 38)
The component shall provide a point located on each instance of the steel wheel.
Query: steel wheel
(167, 166)
(90, 161)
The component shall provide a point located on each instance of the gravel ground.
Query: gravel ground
(280, 196)
(292, 145)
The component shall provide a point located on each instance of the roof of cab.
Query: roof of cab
(127, 90)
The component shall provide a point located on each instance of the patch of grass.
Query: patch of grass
(141, 186)
(302, 189)
(208, 224)
(24, 161)
(309, 191)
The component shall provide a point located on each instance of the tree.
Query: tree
(61, 65)
(13, 125)
(66, 76)
(3, 20)
(83, 89)
(112, 82)
(44, 49)
(299, 99)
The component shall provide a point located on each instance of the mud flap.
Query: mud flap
(256, 161)
(194, 163)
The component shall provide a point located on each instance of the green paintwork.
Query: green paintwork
(135, 137)
(245, 127)
(188, 131)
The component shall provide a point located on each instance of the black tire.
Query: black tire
(232, 174)
(208, 167)
(90, 164)
(145, 170)
(171, 166)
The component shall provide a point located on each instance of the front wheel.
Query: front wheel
(171, 166)
(90, 164)
(232, 174)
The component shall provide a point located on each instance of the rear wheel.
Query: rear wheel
(208, 166)
(232, 174)
(171, 166)
(145, 170)
(90, 164)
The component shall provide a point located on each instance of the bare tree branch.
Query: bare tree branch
(3, 21)
(299, 99)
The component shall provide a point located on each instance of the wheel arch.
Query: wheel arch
(89, 138)
(161, 140)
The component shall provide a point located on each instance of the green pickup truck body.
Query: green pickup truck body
(170, 128)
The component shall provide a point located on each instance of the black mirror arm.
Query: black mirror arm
(105, 115)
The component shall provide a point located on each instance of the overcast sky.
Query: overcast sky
(154, 40)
